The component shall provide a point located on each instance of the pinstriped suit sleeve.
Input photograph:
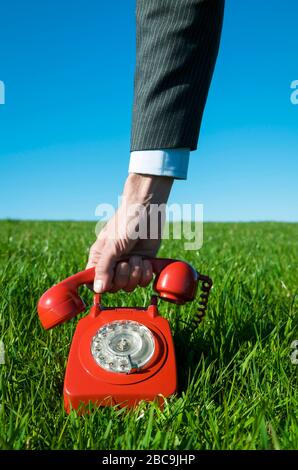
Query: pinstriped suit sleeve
(177, 46)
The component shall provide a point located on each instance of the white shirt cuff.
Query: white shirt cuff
(163, 162)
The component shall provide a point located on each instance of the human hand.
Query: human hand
(126, 236)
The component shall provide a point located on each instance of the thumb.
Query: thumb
(104, 271)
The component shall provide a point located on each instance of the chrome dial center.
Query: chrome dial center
(122, 346)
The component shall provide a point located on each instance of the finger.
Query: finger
(93, 256)
(136, 267)
(104, 269)
(147, 273)
(92, 261)
(121, 277)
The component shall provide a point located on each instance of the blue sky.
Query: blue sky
(65, 127)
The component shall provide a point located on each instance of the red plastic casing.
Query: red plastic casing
(86, 382)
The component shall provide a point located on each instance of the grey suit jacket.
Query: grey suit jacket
(177, 46)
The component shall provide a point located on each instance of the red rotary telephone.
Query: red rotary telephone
(122, 355)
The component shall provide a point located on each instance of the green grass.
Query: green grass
(238, 387)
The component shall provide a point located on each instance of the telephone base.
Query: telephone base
(87, 384)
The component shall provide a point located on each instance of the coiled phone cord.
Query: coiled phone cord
(203, 298)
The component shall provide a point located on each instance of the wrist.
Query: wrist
(144, 189)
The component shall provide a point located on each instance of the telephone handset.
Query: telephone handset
(175, 281)
(113, 347)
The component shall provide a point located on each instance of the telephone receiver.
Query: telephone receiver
(175, 281)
